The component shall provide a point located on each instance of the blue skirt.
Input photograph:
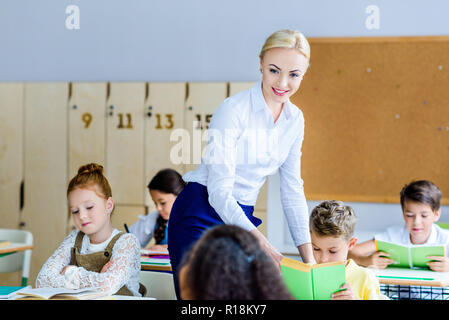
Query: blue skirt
(190, 216)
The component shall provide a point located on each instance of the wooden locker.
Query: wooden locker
(164, 120)
(11, 163)
(45, 170)
(124, 142)
(11, 153)
(87, 122)
(236, 87)
(203, 99)
(126, 214)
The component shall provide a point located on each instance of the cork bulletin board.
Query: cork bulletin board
(376, 117)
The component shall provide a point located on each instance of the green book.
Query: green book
(409, 256)
(312, 282)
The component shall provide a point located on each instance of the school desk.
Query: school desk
(402, 283)
(14, 247)
(154, 267)
(157, 261)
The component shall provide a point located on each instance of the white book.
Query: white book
(48, 293)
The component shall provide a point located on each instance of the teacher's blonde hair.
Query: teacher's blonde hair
(287, 39)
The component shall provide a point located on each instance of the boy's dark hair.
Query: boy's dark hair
(227, 263)
(167, 181)
(421, 191)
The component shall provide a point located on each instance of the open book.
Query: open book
(4, 243)
(48, 293)
(409, 256)
(313, 282)
(152, 257)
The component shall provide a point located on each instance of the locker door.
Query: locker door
(45, 147)
(124, 143)
(126, 214)
(260, 209)
(164, 117)
(236, 87)
(87, 121)
(11, 153)
(202, 100)
(86, 125)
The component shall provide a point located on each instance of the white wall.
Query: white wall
(183, 40)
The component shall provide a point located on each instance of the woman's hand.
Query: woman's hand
(268, 248)
(346, 294)
(441, 264)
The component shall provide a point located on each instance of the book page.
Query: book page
(4, 243)
(48, 292)
(299, 283)
(419, 255)
(297, 278)
(399, 254)
(327, 280)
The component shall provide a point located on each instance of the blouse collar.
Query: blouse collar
(259, 103)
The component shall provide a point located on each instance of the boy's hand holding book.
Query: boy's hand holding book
(379, 260)
(345, 293)
(440, 264)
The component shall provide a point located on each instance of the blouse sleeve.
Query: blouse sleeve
(292, 193)
(220, 159)
(50, 274)
(143, 229)
(126, 262)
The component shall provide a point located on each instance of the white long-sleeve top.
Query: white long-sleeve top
(125, 269)
(143, 228)
(244, 147)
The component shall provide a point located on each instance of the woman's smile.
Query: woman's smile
(279, 92)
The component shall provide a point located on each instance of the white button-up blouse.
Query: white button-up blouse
(244, 147)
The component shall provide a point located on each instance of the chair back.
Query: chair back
(159, 285)
(19, 260)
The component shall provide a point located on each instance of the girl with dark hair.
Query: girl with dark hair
(164, 188)
(227, 263)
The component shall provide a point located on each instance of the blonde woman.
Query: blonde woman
(251, 135)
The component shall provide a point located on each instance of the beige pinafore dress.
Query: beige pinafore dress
(96, 260)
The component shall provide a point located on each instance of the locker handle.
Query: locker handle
(22, 195)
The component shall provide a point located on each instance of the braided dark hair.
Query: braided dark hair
(227, 263)
(159, 232)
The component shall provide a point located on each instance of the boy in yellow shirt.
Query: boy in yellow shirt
(332, 226)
